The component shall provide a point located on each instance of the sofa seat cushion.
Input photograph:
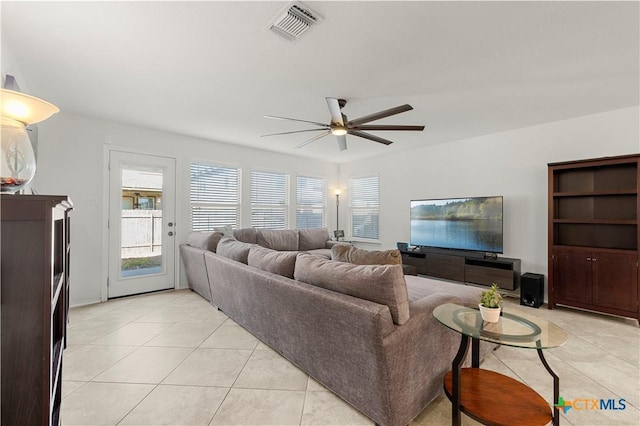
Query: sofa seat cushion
(233, 249)
(351, 254)
(204, 240)
(276, 262)
(310, 239)
(420, 287)
(281, 239)
(383, 284)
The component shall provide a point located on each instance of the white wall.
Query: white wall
(71, 161)
(10, 64)
(512, 164)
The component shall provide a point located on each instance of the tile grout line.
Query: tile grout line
(235, 380)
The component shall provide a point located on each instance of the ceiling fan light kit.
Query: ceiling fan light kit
(340, 126)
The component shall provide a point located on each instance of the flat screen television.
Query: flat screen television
(473, 223)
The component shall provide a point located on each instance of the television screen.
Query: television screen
(458, 223)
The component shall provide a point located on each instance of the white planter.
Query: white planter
(489, 314)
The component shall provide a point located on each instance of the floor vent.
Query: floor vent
(294, 21)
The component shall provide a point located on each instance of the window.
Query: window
(215, 197)
(364, 207)
(269, 200)
(310, 202)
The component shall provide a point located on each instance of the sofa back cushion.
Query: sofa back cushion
(276, 262)
(233, 249)
(281, 239)
(204, 240)
(351, 254)
(383, 284)
(247, 235)
(313, 238)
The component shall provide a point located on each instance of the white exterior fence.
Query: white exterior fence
(141, 233)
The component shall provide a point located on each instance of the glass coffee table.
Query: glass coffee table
(487, 396)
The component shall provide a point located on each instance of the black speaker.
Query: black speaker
(532, 290)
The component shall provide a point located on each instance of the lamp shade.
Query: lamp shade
(25, 108)
(17, 160)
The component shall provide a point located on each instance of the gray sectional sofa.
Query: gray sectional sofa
(366, 332)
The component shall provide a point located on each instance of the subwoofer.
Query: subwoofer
(532, 290)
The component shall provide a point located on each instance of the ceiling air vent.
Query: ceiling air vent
(294, 21)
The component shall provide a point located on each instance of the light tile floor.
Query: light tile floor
(171, 359)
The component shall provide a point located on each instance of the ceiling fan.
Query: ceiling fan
(340, 126)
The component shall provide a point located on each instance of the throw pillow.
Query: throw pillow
(310, 239)
(247, 235)
(226, 230)
(205, 240)
(282, 240)
(383, 284)
(233, 249)
(276, 262)
(351, 254)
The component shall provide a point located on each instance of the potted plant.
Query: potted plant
(490, 304)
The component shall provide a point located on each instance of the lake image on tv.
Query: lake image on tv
(469, 224)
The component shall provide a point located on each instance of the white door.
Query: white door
(141, 223)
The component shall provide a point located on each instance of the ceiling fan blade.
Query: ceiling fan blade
(387, 127)
(342, 142)
(334, 110)
(288, 133)
(321, 135)
(370, 137)
(381, 114)
(323, 125)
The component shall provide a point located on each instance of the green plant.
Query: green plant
(491, 298)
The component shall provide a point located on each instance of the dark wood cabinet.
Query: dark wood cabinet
(35, 276)
(615, 281)
(593, 235)
(574, 269)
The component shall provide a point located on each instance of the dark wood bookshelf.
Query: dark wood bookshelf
(35, 299)
(593, 235)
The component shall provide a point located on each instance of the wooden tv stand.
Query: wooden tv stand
(464, 266)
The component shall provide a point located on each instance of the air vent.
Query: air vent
(294, 21)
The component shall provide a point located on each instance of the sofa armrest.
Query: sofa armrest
(421, 352)
(331, 243)
(195, 269)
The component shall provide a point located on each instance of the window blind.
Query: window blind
(364, 207)
(215, 197)
(310, 202)
(269, 200)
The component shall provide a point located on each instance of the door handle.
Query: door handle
(170, 233)
(170, 224)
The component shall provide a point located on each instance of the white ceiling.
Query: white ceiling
(212, 69)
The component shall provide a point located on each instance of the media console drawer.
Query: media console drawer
(487, 276)
(418, 262)
(502, 271)
(445, 266)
